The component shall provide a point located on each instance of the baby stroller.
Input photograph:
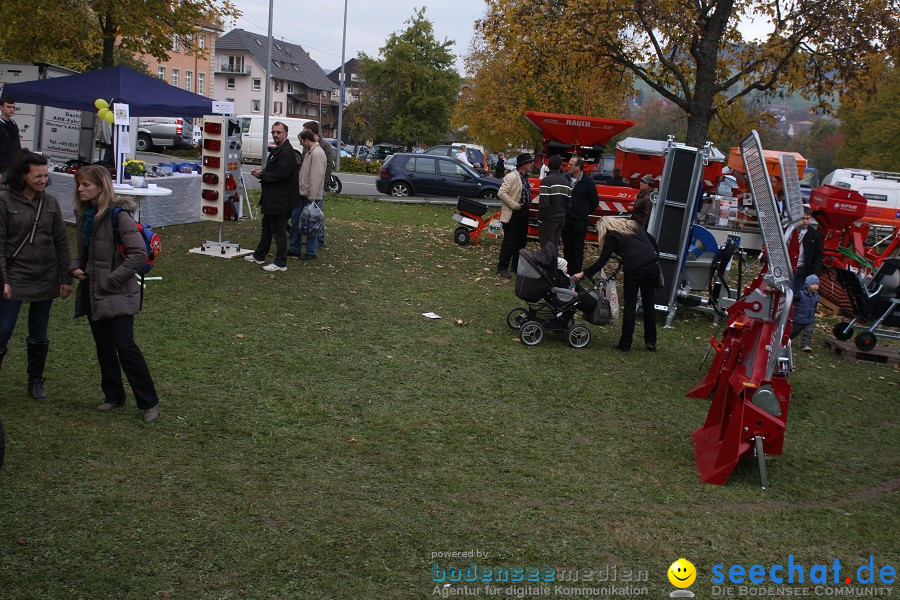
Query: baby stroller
(877, 302)
(552, 303)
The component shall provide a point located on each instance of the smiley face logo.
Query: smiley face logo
(682, 573)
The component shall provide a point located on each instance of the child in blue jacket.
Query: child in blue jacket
(805, 312)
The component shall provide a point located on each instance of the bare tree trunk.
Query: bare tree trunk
(110, 30)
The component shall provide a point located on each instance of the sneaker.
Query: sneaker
(151, 414)
(253, 259)
(108, 406)
(621, 348)
(504, 273)
(272, 267)
(807, 348)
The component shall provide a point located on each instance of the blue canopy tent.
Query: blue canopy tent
(146, 96)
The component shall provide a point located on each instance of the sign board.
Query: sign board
(222, 108)
(60, 133)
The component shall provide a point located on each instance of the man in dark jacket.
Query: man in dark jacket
(812, 252)
(10, 142)
(640, 212)
(583, 203)
(553, 202)
(280, 184)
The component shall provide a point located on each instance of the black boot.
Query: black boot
(37, 358)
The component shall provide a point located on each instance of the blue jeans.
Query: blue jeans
(38, 319)
(312, 241)
(322, 230)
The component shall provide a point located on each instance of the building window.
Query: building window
(175, 77)
(229, 83)
(188, 81)
(277, 108)
(201, 40)
(254, 106)
(257, 84)
(161, 72)
(279, 85)
(290, 87)
(200, 81)
(175, 43)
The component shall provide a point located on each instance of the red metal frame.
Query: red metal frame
(483, 222)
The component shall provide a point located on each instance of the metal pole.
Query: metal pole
(266, 96)
(337, 164)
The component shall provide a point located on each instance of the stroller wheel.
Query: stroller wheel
(865, 341)
(578, 336)
(531, 333)
(461, 236)
(843, 331)
(517, 316)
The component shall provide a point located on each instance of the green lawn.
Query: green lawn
(319, 438)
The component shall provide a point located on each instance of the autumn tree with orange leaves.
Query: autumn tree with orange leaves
(692, 52)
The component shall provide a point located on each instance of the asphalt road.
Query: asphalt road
(354, 184)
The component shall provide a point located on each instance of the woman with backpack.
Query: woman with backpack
(34, 259)
(640, 262)
(111, 251)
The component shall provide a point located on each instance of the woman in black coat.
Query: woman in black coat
(629, 241)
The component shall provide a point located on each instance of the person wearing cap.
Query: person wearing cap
(553, 202)
(804, 317)
(515, 198)
(812, 252)
(643, 205)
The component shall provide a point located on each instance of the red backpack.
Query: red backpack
(151, 241)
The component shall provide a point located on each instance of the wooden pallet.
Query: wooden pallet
(887, 355)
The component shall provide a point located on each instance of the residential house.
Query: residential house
(190, 72)
(352, 86)
(299, 87)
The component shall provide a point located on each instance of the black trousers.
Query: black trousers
(550, 231)
(117, 352)
(641, 279)
(515, 237)
(573, 243)
(273, 226)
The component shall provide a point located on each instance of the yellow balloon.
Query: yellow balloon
(102, 113)
(109, 117)
(100, 103)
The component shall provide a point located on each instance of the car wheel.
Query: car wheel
(578, 336)
(488, 195)
(518, 316)
(531, 333)
(144, 143)
(400, 190)
(843, 331)
(865, 341)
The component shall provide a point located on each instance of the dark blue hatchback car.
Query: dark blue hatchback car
(405, 174)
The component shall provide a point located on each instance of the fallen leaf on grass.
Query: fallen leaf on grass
(240, 336)
(353, 440)
(488, 331)
(460, 322)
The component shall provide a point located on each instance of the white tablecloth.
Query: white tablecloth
(183, 206)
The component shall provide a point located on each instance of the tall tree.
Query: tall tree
(503, 85)
(85, 33)
(692, 51)
(870, 124)
(409, 91)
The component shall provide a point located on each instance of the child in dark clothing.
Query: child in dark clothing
(805, 304)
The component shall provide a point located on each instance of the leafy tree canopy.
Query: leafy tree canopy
(85, 34)
(408, 92)
(870, 124)
(692, 52)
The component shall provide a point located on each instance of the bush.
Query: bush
(358, 165)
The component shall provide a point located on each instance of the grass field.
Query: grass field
(320, 438)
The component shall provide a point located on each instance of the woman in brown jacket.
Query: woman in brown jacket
(34, 259)
(109, 292)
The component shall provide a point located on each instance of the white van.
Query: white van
(252, 133)
(880, 189)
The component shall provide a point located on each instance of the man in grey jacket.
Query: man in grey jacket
(312, 188)
(325, 145)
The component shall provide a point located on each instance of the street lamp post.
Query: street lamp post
(341, 99)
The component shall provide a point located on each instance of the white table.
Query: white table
(180, 203)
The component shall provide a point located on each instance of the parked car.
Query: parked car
(475, 154)
(164, 132)
(382, 151)
(410, 174)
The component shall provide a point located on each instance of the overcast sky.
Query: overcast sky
(318, 25)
